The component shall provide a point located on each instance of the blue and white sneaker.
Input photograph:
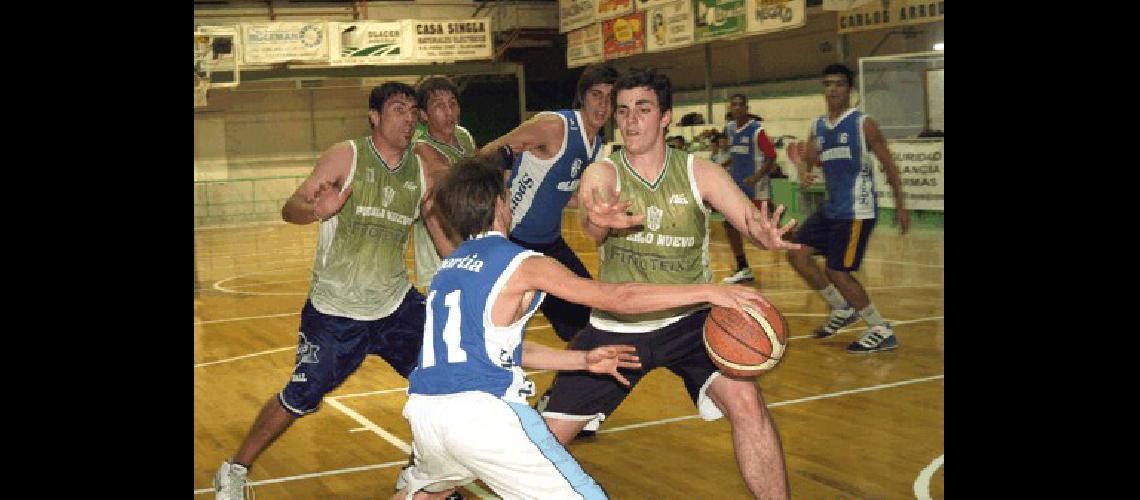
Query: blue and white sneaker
(839, 318)
(878, 338)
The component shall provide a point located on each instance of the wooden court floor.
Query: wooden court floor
(867, 426)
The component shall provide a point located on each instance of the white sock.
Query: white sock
(833, 298)
(871, 315)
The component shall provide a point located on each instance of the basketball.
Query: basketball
(746, 345)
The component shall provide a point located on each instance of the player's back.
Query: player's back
(463, 351)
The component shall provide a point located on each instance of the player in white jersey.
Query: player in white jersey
(467, 396)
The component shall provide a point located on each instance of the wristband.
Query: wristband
(508, 157)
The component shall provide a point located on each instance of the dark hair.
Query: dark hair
(593, 75)
(466, 197)
(742, 96)
(382, 92)
(432, 84)
(840, 69)
(647, 78)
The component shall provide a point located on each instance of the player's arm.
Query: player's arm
(541, 135)
(768, 165)
(599, 208)
(807, 158)
(878, 145)
(319, 196)
(603, 360)
(435, 167)
(548, 275)
(721, 193)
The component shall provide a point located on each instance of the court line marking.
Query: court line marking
(904, 263)
(393, 440)
(783, 403)
(243, 318)
(314, 474)
(605, 431)
(368, 424)
(922, 482)
(790, 292)
(892, 323)
(303, 280)
(227, 360)
(218, 284)
(542, 327)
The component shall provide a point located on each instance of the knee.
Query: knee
(836, 275)
(742, 401)
(564, 430)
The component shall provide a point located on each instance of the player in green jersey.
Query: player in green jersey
(366, 193)
(443, 144)
(644, 206)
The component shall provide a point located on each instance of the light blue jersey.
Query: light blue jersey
(462, 351)
(847, 164)
(540, 189)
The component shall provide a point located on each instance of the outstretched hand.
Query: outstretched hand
(607, 359)
(735, 296)
(766, 230)
(606, 210)
(328, 200)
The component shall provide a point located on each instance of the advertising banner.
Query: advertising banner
(670, 26)
(584, 46)
(624, 36)
(264, 43)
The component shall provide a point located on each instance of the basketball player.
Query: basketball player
(753, 161)
(440, 146)
(467, 396)
(546, 155)
(667, 189)
(843, 141)
(365, 193)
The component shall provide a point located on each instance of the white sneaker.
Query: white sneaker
(742, 276)
(878, 338)
(838, 318)
(229, 482)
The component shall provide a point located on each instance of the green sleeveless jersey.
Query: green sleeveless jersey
(359, 270)
(671, 246)
(466, 145)
(427, 260)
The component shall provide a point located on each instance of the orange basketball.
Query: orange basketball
(746, 345)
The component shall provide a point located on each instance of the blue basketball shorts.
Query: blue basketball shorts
(842, 241)
(331, 348)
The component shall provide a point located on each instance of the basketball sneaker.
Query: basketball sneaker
(229, 482)
(742, 276)
(839, 318)
(878, 338)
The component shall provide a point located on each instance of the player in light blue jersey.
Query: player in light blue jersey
(843, 141)
(467, 395)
